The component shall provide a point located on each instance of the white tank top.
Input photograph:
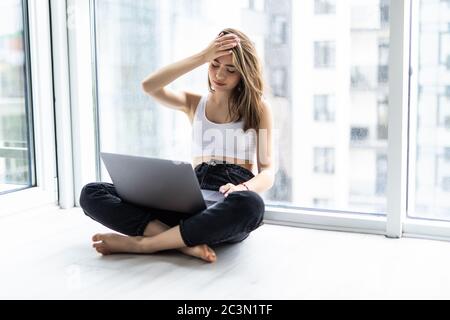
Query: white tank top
(221, 139)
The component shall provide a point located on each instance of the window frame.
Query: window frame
(412, 226)
(28, 100)
(40, 98)
(394, 224)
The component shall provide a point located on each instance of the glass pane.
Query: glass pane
(432, 185)
(15, 170)
(330, 112)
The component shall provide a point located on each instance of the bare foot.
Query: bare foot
(108, 243)
(201, 251)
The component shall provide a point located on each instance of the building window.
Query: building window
(279, 30)
(279, 81)
(382, 117)
(447, 154)
(381, 180)
(445, 185)
(432, 174)
(324, 54)
(324, 108)
(447, 123)
(324, 6)
(383, 74)
(324, 160)
(256, 5)
(384, 12)
(359, 133)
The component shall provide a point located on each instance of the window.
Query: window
(324, 6)
(257, 5)
(445, 184)
(324, 54)
(324, 108)
(307, 152)
(381, 180)
(444, 47)
(432, 182)
(447, 122)
(384, 12)
(382, 117)
(324, 160)
(383, 62)
(358, 134)
(364, 78)
(279, 82)
(443, 112)
(383, 72)
(16, 149)
(280, 32)
(447, 154)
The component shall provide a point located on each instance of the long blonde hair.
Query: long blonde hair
(246, 99)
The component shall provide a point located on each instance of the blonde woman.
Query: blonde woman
(234, 110)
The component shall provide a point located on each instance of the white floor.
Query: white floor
(47, 254)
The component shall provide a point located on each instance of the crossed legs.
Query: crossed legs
(228, 221)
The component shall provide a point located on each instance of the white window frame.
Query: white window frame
(83, 79)
(63, 116)
(394, 224)
(416, 227)
(45, 191)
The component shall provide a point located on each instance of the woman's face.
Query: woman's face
(223, 75)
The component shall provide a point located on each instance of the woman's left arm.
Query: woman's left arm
(265, 178)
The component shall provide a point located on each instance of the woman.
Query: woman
(234, 104)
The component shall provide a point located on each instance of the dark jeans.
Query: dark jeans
(228, 221)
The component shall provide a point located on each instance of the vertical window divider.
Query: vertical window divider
(42, 96)
(399, 66)
(63, 116)
(413, 100)
(83, 94)
(28, 95)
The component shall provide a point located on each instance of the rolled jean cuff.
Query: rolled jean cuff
(183, 235)
(141, 229)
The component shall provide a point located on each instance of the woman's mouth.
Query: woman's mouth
(218, 83)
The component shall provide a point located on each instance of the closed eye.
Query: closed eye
(216, 66)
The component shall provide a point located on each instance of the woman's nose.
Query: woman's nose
(220, 74)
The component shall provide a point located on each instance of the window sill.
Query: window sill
(336, 221)
(30, 198)
(426, 229)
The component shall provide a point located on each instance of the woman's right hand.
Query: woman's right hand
(221, 46)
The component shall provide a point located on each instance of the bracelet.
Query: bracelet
(243, 183)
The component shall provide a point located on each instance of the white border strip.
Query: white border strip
(62, 103)
(427, 229)
(81, 86)
(398, 117)
(337, 221)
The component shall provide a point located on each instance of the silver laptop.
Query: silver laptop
(158, 183)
